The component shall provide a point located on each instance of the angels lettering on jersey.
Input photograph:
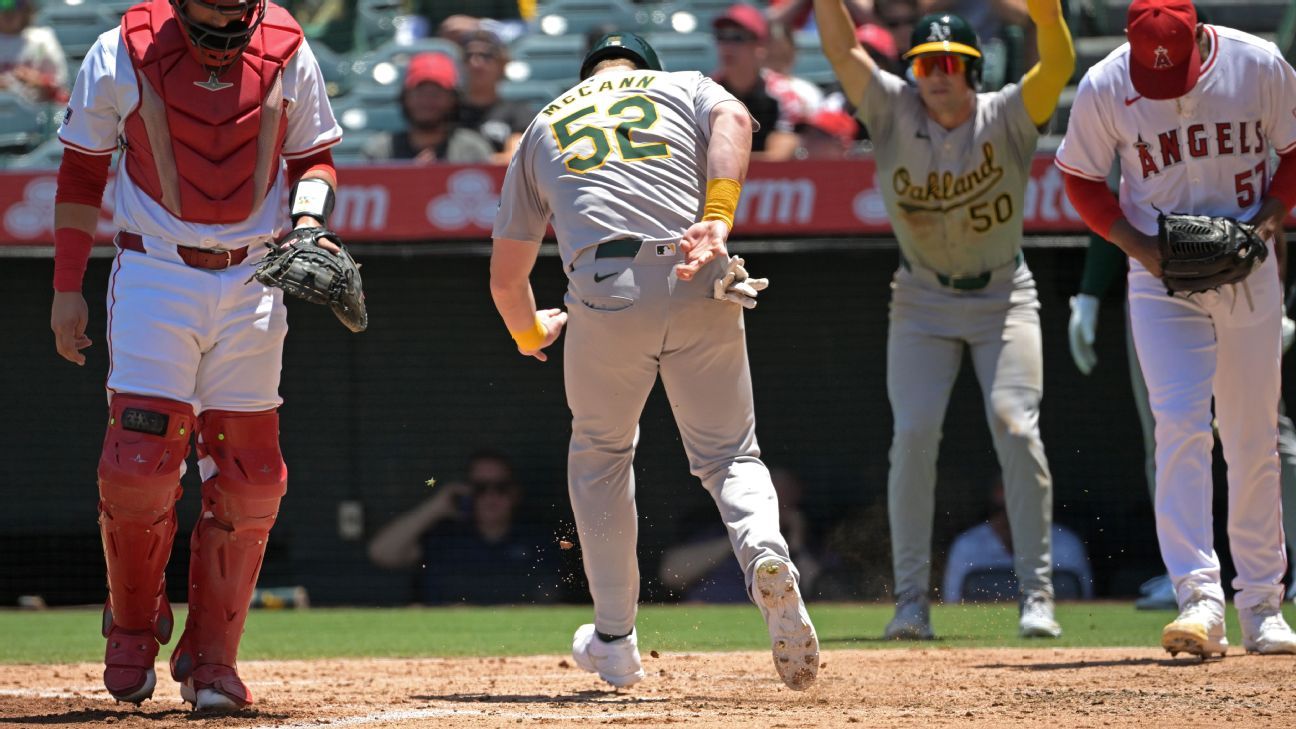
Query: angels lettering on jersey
(1168, 148)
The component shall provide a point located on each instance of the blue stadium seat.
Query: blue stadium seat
(685, 51)
(811, 64)
(375, 23)
(578, 17)
(690, 16)
(379, 73)
(534, 93)
(77, 26)
(47, 156)
(23, 124)
(546, 58)
(368, 115)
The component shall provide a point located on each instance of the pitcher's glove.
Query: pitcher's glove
(1200, 252)
(299, 265)
(737, 286)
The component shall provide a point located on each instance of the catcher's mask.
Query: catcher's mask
(217, 48)
(947, 33)
(620, 45)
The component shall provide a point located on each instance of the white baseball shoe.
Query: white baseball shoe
(616, 662)
(1037, 617)
(792, 635)
(1265, 631)
(1198, 630)
(912, 619)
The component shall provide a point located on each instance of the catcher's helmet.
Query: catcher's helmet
(620, 45)
(947, 33)
(218, 47)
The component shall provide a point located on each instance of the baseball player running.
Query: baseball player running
(1190, 111)
(640, 172)
(207, 98)
(953, 165)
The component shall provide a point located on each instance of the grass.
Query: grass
(72, 635)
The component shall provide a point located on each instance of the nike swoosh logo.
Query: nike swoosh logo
(1130, 102)
(921, 135)
(604, 277)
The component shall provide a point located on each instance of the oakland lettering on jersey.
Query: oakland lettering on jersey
(629, 81)
(1199, 140)
(943, 191)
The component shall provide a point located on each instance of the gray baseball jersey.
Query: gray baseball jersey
(954, 195)
(620, 160)
(955, 200)
(621, 154)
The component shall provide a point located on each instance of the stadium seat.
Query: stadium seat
(536, 94)
(368, 115)
(685, 51)
(811, 64)
(77, 26)
(546, 58)
(578, 17)
(375, 23)
(47, 156)
(689, 16)
(349, 150)
(379, 73)
(23, 124)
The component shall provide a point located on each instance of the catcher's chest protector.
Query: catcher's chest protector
(206, 148)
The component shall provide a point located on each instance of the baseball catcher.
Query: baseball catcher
(1200, 252)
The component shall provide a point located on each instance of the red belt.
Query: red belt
(212, 260)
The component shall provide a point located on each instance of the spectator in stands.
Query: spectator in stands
(741, 34)
(702, 567)
(984, 554)
(780, 58)
(798, 14)
(430, 102)
(898, 17)
(829, 134)
(466, 545)
(32, 63)
(456, 19)
(500, 121)
(877, 41)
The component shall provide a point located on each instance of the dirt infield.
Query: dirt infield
(908, 687)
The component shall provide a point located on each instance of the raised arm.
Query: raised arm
(852, 63)
(1043, 84)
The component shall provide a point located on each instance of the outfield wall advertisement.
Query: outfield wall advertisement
(407, 203)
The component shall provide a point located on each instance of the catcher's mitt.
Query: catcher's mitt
(1200, 252)
(302, 268)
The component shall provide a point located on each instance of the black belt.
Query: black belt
(622, 248)
(962, 282)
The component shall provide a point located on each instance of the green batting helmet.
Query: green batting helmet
(947, 33)
(620, 45)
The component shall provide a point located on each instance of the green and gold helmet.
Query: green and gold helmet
(947, 33)
(620, 45)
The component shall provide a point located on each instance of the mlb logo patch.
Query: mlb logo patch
(665, 249)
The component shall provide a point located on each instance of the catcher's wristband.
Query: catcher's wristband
(531, 338)
(722, 200)
(71, 254)
(311, 196)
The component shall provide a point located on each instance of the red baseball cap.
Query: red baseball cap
(876, 37)
(746, 17)
(836, 123)
(1164, 61)
(437, 68)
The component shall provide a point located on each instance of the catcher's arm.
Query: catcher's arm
(81, 182)
(318, 166)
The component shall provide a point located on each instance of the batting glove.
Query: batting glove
(1288, 333)
(737, 286)
(1081, 330)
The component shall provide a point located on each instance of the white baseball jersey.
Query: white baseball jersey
(1205, 152)
(107, 91)
(657, 123)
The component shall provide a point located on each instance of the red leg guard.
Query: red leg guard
(240, 504)
(139, 483)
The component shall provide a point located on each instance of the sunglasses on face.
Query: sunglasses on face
(733, 36)
(948, 64)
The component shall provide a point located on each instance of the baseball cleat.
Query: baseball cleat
(792, 635)
(128, 664)
(1199, 629)
(1264, 630)
(214, 688)
(1037, 617)
(912, 619)
(616, 662)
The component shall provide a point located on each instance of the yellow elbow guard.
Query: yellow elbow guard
(722, 200)
(531, 338)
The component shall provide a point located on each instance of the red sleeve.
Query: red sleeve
(82, 178)
(1283, 184)
(321, 160)
(1096, 204)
